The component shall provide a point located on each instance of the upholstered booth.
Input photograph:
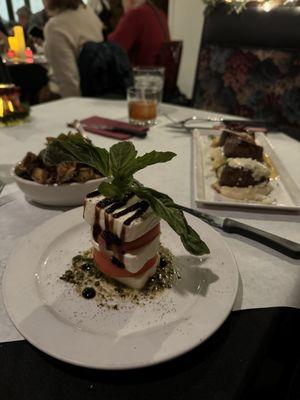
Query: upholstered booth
(249, 64)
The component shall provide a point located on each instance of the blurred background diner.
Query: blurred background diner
(24, 15)
(72, 25)
(134, 35)
(237, 57)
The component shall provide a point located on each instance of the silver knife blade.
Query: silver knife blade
(212, 220)
(188, 129)
(278, 243)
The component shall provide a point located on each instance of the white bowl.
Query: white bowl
(67, 194)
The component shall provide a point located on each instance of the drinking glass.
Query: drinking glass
(142, 105)
(150, 78)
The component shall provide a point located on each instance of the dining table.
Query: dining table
(255, 354)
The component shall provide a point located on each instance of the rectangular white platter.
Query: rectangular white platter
(284, 196)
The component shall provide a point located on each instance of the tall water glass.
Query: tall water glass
(150, 78)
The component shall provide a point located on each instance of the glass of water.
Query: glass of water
(150, 78)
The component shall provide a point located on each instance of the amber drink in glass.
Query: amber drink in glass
(142, 106)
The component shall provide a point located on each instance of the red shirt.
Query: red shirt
(141, 33)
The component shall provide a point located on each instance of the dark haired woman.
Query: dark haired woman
(72, 25)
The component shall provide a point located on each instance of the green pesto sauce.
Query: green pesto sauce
(87, 279)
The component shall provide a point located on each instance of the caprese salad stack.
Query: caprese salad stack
(125, 237)
(124, 214)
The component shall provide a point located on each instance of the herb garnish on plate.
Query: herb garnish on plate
(119, 165)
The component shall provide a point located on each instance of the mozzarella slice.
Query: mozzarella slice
(138, 282)
(136, 229)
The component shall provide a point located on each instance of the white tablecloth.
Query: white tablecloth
(268, 279)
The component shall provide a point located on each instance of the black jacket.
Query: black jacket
(104, 69)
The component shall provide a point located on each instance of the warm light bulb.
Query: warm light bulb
(269, 5)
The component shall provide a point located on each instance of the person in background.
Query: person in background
(35, 29)
(102, 9)
(141, 32)
(71, 26)
(40, 18)
(24, 15)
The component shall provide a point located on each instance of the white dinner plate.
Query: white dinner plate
(51, 315)
(284, 196)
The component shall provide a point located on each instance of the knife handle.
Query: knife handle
(287, 247)
(131, 131)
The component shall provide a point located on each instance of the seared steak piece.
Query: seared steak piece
(237, 177)
(242, 148)
(226, 134)
(242, 172)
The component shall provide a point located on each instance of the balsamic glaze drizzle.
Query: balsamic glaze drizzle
(92, 194)
(117, 262)
(110, 238)
(88, 293)
(115, 206)
(127, 210)
(96, 231)
(143, 207)
(105, 202)
(119, 204)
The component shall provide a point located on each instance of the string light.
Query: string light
(238, 5)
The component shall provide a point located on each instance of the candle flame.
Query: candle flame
(10, 106)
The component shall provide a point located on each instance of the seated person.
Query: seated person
(102, 9)
(71, 26)
(40, 18)
(141, 32)
(35, 30)
(24, 15)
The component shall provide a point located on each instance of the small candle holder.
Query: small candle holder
(17, 43)
(12, 111)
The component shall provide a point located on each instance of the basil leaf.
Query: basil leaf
(166, 209)
(77, 148)
(154, 157)
(109, 190)
(122, 159)
(55, 154)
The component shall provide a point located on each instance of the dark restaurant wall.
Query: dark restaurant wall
(163, 4)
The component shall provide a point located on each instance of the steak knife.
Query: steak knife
(284, 246)
(292, 131)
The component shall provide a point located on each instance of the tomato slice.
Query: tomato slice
(143, 240)
(127, 247)
(110, 269)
